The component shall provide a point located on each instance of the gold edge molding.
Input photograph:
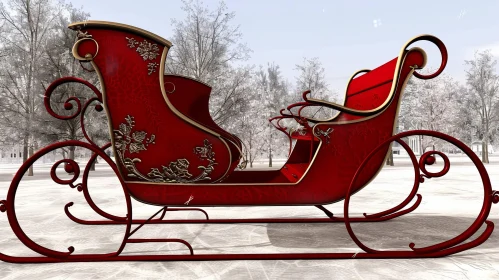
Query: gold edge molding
(245, 184)
(344, 96)
(401, 55)
(161, 74)
(110, 122)
(120, 26)
(402, 89)
(182, 116)
(395, 82)
(190, 78)
(393, 132)
(167, 100)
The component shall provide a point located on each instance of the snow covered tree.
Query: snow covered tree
(206, 44)
(25, 27)
(311, 76)
(483, 82)
(273, 95)
(61, 63)
(430, 104)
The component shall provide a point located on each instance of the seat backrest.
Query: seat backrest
(370, 90)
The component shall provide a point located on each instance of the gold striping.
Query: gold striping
(120, 26)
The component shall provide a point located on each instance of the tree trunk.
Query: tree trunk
(389, 160)
(92, 167)
(30, 171)
(270, 157)
(421, 150)
(72, 152)
(26, 152)
(485, 152)
(270, 150)
(434, 150)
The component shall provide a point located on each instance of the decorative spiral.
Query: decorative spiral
(70, 167)
(88, 56)
(452, 245)
(495, 197)
(11, 195)
(172, 90)
(428, 158)
(67, 104)
(441, 48)
(3, 205)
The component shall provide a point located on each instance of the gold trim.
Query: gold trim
(151, 36)
(249, 184)
(380, 108)
(88, 57)
(110, 121)
(162, 67)
(404, 84)
(383, 164)
(120, 26)
(182, 116)
(190, 78)
(344, 97)
(400, 62)
(170, 105)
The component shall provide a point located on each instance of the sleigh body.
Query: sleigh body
(179, 152)
(170, 152)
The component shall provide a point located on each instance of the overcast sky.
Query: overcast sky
(345, 35)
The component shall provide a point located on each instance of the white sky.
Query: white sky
(345, 35)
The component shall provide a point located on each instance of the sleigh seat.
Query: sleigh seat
(191, 97)
(367, 92)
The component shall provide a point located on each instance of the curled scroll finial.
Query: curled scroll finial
(82, 38)
(67, 104)
(495, 197)
(3, 205)
(428, 158)
(441, 48)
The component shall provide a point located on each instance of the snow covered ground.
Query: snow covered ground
(450, 204)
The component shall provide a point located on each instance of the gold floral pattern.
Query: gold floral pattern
(152, 67)
(126, 140)
(147, 50)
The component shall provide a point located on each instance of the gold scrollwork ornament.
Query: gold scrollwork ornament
(176, 172)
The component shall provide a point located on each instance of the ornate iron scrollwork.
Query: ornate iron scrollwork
(319, 132)
(175, 172)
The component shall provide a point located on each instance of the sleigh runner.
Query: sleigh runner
(170, 152)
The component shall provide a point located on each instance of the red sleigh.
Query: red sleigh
(169, 151)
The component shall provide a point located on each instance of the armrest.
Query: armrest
(304, 105)
(335, 106)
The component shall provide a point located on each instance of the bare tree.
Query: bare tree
(311, 76)
(252, 125)
(205, 46)
(272, 90)
(483, 82)
(25, 29)
(430, 104)
(60, 63)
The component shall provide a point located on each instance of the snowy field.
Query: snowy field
(450, 204)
